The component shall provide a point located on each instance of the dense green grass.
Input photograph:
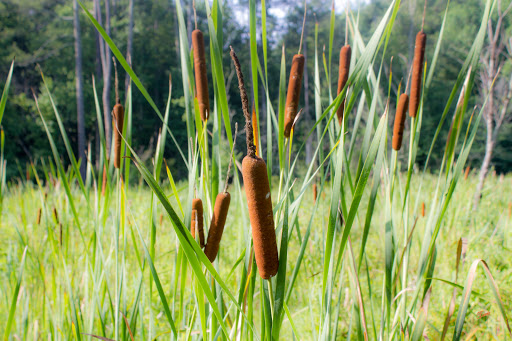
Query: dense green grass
(488, 232)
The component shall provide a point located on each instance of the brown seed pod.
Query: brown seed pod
(466, 173)
(220, 212)
(197, 205)
(417, 72)
(315, 193)
(344, 69)
(257, 191)
(39, 212)
(422, 209)
(293, 95)
(118, 115)
(259, 202)
(200, 74)
(398, 129)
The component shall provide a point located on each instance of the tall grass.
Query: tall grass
(360, 263)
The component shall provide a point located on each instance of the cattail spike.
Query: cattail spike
(293, 94)
(398, 129)
(257, 191)
(344, 70)
(200, 73)
(417, 73)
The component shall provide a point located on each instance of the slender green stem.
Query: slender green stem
(271, 296)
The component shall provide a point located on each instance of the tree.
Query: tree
(80, 116)
(493, 59)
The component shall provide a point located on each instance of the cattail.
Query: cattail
(509, 209)
(344, 69)
(315, 193)
(104, 180)
(293, 95)
(466, 173)
(38, 219)
(60, 234)
(257, 191)
(118, 115)
(197, 220)
(200, 74)
(417, 72)
(255, 129)
(220, 212)
(56, 215)
(398, 130)
(422, 209)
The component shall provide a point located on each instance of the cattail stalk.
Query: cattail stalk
(255, 129)
(200, 74)
(257, 190)
(398, 129)
(417, 72)
(344, 69)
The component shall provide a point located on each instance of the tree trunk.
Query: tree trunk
(129, 47)
(489, 147)
(80, 119)
(107, 70)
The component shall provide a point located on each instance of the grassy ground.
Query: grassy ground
(42, 300)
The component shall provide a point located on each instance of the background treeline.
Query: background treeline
(41, 32)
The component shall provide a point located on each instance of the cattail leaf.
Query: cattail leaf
(14, 300)
(64, 135)
(5, 92)
(463, 307)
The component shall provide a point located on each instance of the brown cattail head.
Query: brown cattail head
(55, 215)
(398, 129)
(259, 202)
(104, 181)
(344, 69)
(39, 212)
(220, 212)
(417, 72)
(197, 220)
(422, 209)
(118, 115)
(255, 129)
(200, 74)
(293, 95)
(509, 209)
(315, 193)
(466, 173)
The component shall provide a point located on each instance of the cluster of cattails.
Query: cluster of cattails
(257, 190)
